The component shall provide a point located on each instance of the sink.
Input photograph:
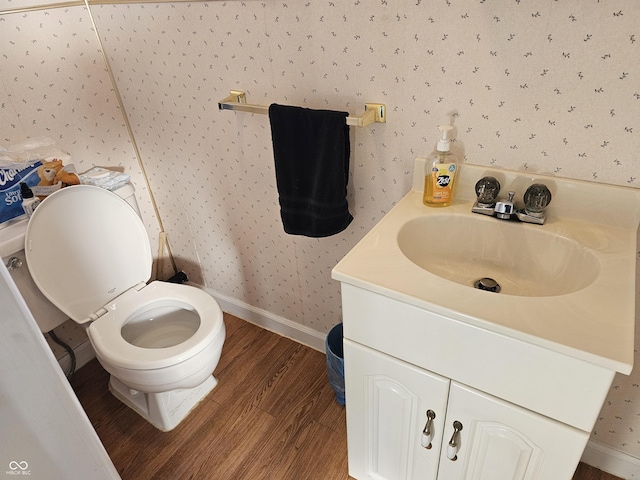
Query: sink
(568, 285)
(523, 260)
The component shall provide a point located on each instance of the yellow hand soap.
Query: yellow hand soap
(441, 169)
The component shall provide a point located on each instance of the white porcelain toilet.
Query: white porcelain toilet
(88, 252)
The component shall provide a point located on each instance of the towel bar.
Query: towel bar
(237, 100)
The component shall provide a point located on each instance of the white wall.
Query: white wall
(548, 87)
(38, 403)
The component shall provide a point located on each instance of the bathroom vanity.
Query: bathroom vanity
(445, 381)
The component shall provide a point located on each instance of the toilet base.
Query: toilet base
(163, 410)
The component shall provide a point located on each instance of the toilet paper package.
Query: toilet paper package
(10, 196)
(23, 163)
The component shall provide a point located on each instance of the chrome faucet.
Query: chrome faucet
(536, 198)
(504, 210)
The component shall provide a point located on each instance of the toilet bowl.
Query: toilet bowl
(88, 252)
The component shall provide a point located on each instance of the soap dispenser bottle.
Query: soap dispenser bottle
(29, 201)
(440, 172)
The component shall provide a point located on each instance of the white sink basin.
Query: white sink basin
(523, 261)
(568, 285)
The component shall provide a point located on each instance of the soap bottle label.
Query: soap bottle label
(443, 174)
(29, 205)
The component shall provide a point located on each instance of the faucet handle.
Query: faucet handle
(487, 189)
(536, 199)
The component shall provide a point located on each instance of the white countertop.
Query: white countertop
(595, 324)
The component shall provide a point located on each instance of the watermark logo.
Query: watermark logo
(18, 468)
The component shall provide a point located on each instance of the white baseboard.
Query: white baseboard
(611, 461)
(269, 321)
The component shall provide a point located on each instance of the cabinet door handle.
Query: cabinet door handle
(427, 432)
(454, 443)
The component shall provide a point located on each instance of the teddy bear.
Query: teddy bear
(51, 172)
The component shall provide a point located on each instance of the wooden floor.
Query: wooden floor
(272, 416)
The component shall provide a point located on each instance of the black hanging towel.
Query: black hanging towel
(311, 151)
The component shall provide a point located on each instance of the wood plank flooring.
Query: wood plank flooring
(586, 472)
(272, 416)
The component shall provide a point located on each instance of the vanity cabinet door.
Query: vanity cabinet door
(387, 404)
(501, 441)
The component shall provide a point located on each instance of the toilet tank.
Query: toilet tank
(128, 194)
(12, 235)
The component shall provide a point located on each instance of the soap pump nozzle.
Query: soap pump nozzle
(25, 191)
(444, 142)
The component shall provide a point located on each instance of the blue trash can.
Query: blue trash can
(335, 362)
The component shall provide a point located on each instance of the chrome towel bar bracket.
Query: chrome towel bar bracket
(237, 100)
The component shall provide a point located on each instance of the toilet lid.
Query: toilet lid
(84, 246)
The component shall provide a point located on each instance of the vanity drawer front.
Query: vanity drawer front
(550, 383)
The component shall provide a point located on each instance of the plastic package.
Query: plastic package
(29, 152)
(101, 177)
(19, 163)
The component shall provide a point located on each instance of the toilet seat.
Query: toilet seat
(107, 339)
(84, 247)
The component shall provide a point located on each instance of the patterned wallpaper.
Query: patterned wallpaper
(54, 83)
(549, 86)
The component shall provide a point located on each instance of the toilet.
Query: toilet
(88, 252)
